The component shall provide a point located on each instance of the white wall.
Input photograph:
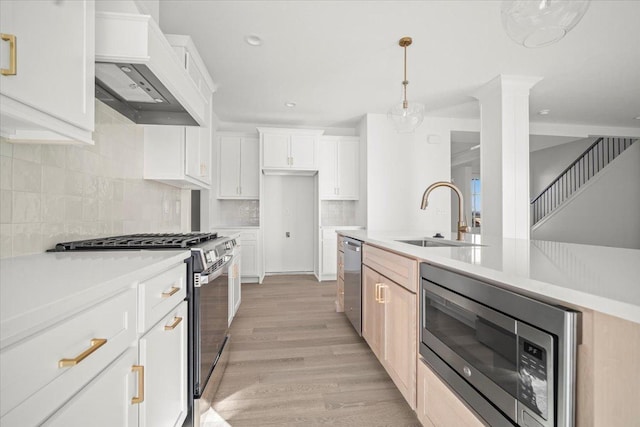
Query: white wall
(289, 206)
(55, 193)
(605, 212)
(399, 168)
(546, 164)
(461, 177)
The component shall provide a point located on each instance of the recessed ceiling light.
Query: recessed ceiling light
(253, 40)
(637, 118)
(544, 112)
(290, 104)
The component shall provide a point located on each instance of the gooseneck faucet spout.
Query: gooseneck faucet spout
(462, 226)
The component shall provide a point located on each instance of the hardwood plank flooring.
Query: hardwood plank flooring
(294, 361)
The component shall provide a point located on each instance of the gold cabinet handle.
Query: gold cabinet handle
(11, 71)
(173, 291)
(377, 292)
(96, 343)
(382, 295)
(172, 326)
(140, 397)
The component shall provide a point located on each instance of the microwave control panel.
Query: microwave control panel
(532, 382)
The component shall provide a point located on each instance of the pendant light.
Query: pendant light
(538, 23)
(406, 117)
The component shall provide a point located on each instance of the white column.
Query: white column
(504, 155)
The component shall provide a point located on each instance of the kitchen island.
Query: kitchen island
(602, 283)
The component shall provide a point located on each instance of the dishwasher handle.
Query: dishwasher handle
(352, 247)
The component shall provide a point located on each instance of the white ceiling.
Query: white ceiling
(340, 59)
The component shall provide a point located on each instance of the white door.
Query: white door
(229, 166)
(163, 353)
(288, 228)
(348, 169)
(250, 168)
(327, 168)
(303, 152)
(275, 151)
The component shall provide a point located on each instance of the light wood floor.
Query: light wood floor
(294, 361)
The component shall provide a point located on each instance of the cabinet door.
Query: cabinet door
(340, 296)
(105, 401)
(205, 155)
(348, 169)
(250, 168)
(327, 168)
(249, 258)
(372, 311)
(438, 406)
(275, 151)
(229, 166)
(400, 339)
(163, 353)
(329, 259)
(192, 152)
(55, 57)
(303, 152)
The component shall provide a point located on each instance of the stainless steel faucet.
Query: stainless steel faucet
(462, 225)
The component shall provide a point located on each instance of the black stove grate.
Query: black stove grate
(138, 241)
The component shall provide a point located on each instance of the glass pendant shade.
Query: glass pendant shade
(538, 23)
(407, 119)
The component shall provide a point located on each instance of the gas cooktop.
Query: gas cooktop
(138, 241)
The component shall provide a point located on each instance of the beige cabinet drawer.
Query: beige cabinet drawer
(340, 296)
(340, 243)
(400, 269)
(33, 371)
(159, 294)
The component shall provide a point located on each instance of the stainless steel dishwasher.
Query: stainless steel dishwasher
(353, 282)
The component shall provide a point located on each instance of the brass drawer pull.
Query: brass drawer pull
(173, 291)
(96, 343)
(377, 292)
(175, 323)
(140, 397)
(11, 71)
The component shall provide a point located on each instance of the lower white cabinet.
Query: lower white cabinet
(107, 400)
(97, 368)
(163, 353)
(235, 284)
(328, 260)
(248, 246)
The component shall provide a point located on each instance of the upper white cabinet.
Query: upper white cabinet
(339, 168)
(47, 58)
(238, 167)
(181, 155)
(293, 149)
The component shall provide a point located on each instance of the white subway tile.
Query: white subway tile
(6, 204)
(6, 241)
(27, 239)
(28, 152)
(54, 155)
(53, 180)
(73, 208)
(27, 207)
(6, 148)
(27, 176)
(53, 208)
(6, 173)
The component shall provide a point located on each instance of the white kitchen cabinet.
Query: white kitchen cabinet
(238, 167)
(248, 246)
(49, 94)
(328, 259)
(235, 283)
(339, 168)
(181, 155)
(289, 149)
(163, 353)
(96, 364)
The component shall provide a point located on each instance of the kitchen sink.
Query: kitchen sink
(433, 243)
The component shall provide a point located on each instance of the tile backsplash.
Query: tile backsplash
(238, 213)
(338, 212)
(53, 193)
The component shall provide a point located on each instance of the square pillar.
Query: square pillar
(504, 155)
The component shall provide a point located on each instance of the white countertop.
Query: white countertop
(600, 278)
(43, 288)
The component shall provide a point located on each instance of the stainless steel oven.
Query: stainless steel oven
(510, 357)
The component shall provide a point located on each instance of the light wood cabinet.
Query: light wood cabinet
(292, 149)
(340, 275)
(50, 98)
(438, 406)
(238, 167)
(339, 172)
(389, 319)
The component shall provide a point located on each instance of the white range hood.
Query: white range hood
(139, 74)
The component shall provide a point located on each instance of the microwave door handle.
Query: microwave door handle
(493, 316)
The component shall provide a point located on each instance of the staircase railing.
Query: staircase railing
(589, 163)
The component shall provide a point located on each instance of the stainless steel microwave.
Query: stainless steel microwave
(510, 357)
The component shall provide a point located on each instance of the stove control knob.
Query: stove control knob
(467, 371)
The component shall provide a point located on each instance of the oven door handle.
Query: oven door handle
(478, 309)
(210, 277)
